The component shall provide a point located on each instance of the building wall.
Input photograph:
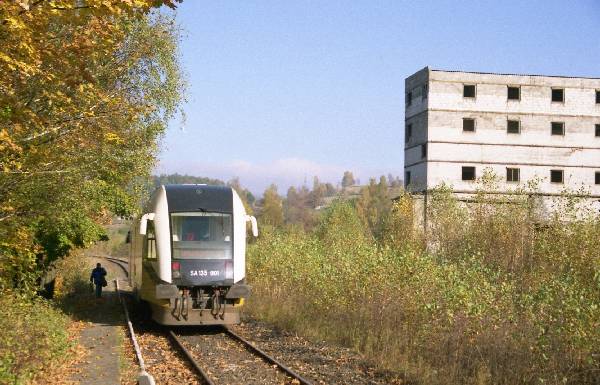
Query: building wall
(437, 122)
(416, 116)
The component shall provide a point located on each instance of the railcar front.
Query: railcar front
(189, 258)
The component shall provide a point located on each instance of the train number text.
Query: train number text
(204, 273)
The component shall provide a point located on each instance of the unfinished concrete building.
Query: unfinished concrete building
(521, 127)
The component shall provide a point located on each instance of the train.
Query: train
(187, 255)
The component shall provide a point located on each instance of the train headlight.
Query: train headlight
(175, 267)
(228, 269)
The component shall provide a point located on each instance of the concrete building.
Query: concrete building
(520, 126)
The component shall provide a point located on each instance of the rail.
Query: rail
(268, 358)
(117, 261)
(144, 378)
(249, 346)
(190, 358)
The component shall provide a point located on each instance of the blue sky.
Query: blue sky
(280, 91)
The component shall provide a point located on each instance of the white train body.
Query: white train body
(188, 255)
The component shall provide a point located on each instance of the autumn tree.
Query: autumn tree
(318, 192)
(330, 190)
(394, 181)
(86, 91)
(245, 195)
(180, 179)
(347, 179)
(272, 207)
(298, 209)
(374, 205)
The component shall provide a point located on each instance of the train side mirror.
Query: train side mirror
(254, 225)
(144, 222)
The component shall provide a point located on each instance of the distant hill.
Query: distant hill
(185, 179)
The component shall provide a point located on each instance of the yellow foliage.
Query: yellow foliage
(112, 137)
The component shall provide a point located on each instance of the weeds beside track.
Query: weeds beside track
(488, 295)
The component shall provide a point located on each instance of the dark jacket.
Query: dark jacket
(98, 275)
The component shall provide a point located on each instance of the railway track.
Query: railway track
(189, 346)
(122, 264)
(260, 368)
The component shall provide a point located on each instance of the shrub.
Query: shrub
(489, 294)
(32, 335)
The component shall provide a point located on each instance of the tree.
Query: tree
(244, 194)
(394, 181)
(181, 179)
(330, 190)
(86, 91)
(347, 179)
(272, 210)
(318, 193)
(298, 208)
(374, 205)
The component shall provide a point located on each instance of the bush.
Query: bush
(34, 331)
(32, 335)
(490, 294)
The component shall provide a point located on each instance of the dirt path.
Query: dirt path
(103, 335)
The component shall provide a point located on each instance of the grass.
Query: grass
(489, 294)
(115, 245)
(34, 331)
(32, 334)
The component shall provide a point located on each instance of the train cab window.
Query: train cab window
(202, 235)
(150, 244)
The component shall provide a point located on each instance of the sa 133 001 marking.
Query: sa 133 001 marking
(204, 273)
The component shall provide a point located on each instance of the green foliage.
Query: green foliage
(32, 334)
(176, 178)
(498, 296)
(302, 206)
(298, 208)
(374, 205)
(272, 208)
(78, 134)
(244, 194)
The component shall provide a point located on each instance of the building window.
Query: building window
(513, 126)
(425, 91)
(424, 150)
(468, 173)
(514, 93)
(468, 124)
(597, 179)
(556, 176)
(597, 96)
(468, 91)
(558, 95)
(598, 130)
(407, 178)
(408, 98)
(407, 133)
(512, 174)
(558, 128)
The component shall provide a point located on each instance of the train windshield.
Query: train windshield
(202, 235)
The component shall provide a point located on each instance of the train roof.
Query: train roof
(199, 197)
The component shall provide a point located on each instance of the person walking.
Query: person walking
(98, 278)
